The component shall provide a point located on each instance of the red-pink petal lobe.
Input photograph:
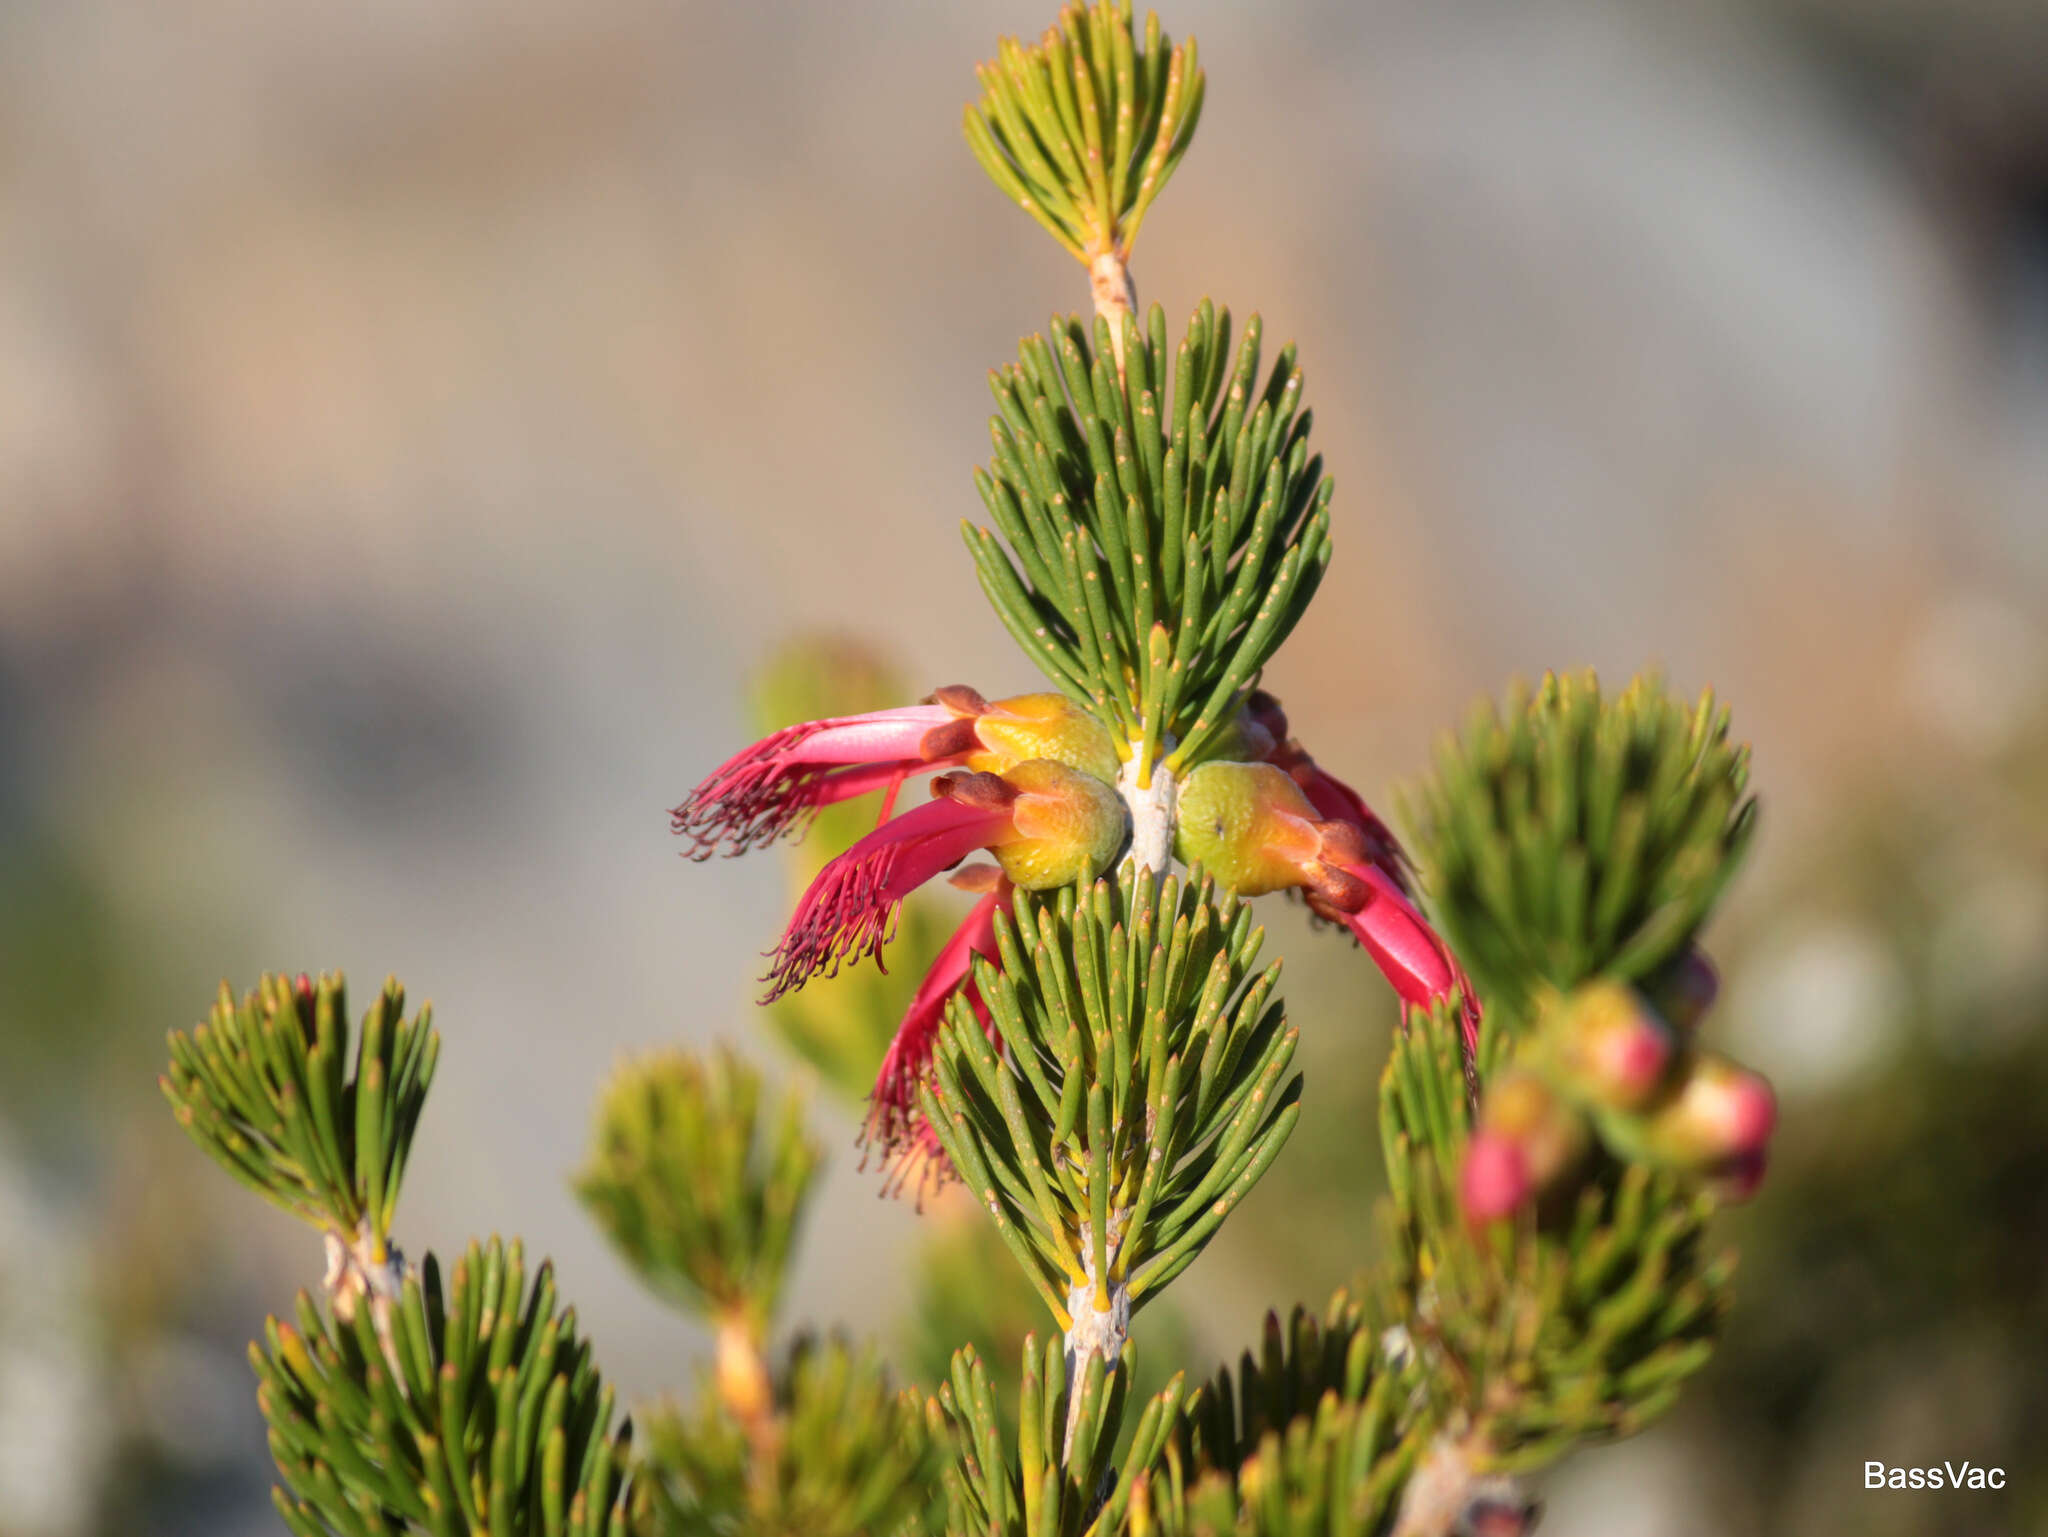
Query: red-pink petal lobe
(850, 909)
(1407, 950)
(774, 786)
(1333, 798)
(1400, 940)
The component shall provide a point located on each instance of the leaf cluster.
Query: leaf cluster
(1337, 1469)
(699, 1192)
(1297, 1363)
(1084, 128)
(459, 1414)
(1128, 1090)
(968, 1291)
(1061, 1482)
(1577, 1321)
(1159, 527)
(269, 1087)
(852, 1456)
(1566, 836)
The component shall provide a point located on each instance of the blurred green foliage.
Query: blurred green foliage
(698, 1190)
(849, 1456)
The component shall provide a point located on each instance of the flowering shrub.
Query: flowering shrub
(1100, 1053)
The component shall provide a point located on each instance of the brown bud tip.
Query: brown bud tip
(303, 1004)
(979, 879)
(1687, 989)
(1739, 1178)
(960, 699)
(987, 792)
(1334, 893)
(957, 736)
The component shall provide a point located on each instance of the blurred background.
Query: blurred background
(418, 422)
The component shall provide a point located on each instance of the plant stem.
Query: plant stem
(1146, 784)
(741, 1375)
(360, 1267)
(1152, 812)
(1096, 1330)
(1116, 296)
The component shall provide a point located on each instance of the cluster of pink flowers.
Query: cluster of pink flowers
(1602, 1065)
(1031, 781)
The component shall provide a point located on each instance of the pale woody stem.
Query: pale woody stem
(1152, 806)
(1103, 1331)
(1095, 1331)
(1152, 811)
(745, 1389)
(1115, 297)
(354, 1272)
(1450, 1492)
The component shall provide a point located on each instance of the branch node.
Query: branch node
(1116, 296)
(1451, 1496)
(1096, 1331)
(1152, 810)
(363, 1267)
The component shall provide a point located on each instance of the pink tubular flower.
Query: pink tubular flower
(917, 1160)
(1047, 825)
(1253, 827)
(893, 1107)
(850, 909)
(781, 781)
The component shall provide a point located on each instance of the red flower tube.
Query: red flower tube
(1253, 827)
(1047, 824)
